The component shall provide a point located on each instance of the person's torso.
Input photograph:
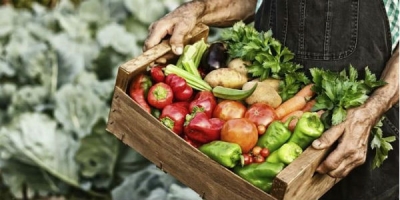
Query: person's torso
(330, 34)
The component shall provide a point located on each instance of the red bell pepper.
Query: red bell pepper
(185, 95)
(182, 103)
(191, 142)
(160, 95)
(157, 74)
(182, 91)
(203, 129)
(138, 90)
(204, 101)
(173, 116)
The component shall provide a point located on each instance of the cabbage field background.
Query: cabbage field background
(58, 67)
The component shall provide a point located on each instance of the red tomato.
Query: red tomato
(256, 150)
(261, 129)
(229, 109)
(240, 131)
(264, 152)
(258, 159)
(248, 158)
(261, 114)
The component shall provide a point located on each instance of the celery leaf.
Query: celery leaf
(381, 145)
(339, 91)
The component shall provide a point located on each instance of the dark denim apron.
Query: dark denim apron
(333, 34)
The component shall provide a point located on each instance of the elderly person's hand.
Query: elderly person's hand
(177, 24)
(352, 136)
(180, 22)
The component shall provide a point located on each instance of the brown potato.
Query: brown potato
(274, 83)
(239, 65)
(264, 93)
(225, 77)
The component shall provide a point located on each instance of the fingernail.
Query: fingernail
(178, 50)
(316, 143)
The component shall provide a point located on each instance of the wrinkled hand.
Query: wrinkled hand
(352, 136)
(177, 24)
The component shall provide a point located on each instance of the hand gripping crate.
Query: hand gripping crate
(170, 153)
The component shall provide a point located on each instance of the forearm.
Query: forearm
(386, 96)
(221, 13)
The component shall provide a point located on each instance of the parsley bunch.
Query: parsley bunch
(268, 57)
(338, 91)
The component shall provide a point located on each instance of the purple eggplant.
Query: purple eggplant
(215, 57)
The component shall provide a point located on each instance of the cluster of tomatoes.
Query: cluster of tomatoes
(256, 155)
(244, 125)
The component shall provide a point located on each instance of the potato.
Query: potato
(225, 77)
(274, 83)
(264, 93)
(239, 65)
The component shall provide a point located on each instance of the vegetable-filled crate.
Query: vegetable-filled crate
(227, 120)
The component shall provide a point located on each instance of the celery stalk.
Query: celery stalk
(195, 82)
(191, 57)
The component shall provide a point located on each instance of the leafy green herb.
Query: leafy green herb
(381, 145)
(292, 82)
(268, 57)
(339, 91)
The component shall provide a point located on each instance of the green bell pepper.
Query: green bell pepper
(308, 128)
(286, 154)
(276, 135)
(225, 153)
(260, 175)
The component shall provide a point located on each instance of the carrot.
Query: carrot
(290, 105)
(320, 112)
(296, 115)
(306, 92)
(309, 105)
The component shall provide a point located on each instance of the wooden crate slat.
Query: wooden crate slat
(299, 178)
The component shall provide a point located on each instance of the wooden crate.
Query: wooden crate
(144, 133)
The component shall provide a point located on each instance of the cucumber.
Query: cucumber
(232, 94)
